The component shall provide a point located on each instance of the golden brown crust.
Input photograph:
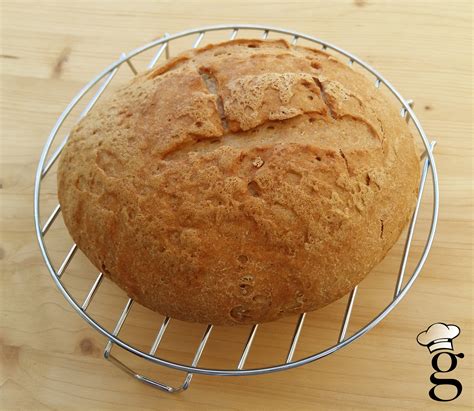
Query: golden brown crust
(239, 182)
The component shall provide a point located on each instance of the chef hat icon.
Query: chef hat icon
(438, 336)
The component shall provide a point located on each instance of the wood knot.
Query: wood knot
(60, 62)
(87, 347)
(9, 353)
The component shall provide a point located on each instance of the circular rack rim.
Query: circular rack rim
(250, 371)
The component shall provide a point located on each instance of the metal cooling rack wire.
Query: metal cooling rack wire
(44, 166)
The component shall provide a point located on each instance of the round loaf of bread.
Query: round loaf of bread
(239, 182)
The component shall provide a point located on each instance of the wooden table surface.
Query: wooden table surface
(51, 359)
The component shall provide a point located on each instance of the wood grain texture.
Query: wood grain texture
(50, 358)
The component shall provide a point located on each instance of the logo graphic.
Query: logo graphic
(439, 337)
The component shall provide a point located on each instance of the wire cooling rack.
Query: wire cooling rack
(162, 49)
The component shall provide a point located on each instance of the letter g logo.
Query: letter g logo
(445, 381)
(438, 339)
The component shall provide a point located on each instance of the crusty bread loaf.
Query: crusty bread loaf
(239, 182)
